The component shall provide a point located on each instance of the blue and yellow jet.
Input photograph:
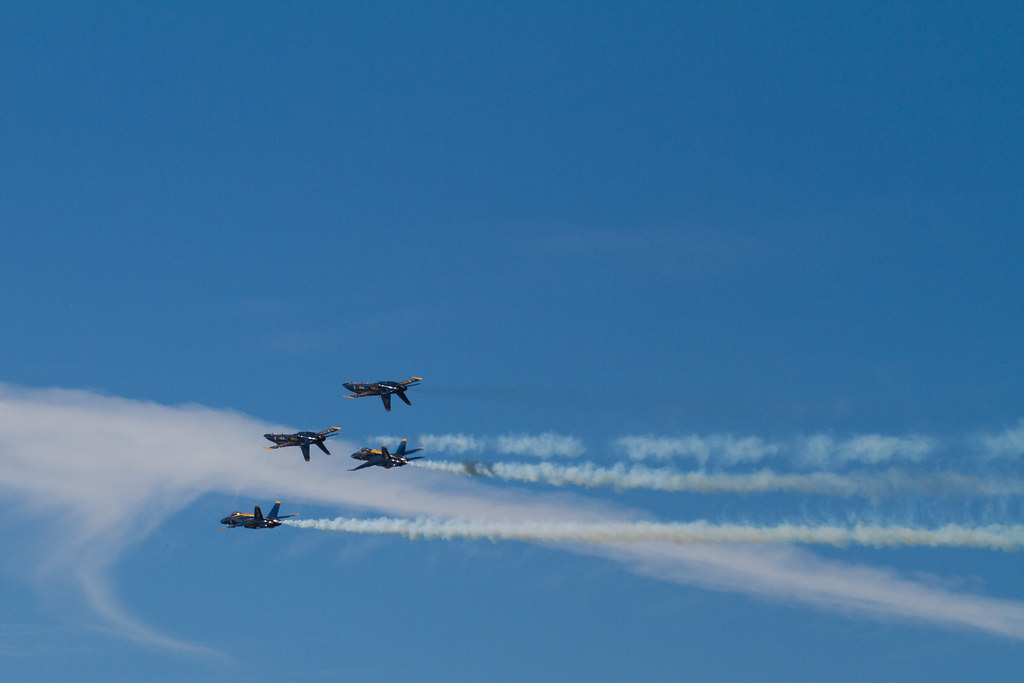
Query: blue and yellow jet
(383, 389)
(256, 520)
(383, 458)
(303, 440)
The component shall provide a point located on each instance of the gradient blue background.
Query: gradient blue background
(594, 219)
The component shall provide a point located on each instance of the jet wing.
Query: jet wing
(364, 465)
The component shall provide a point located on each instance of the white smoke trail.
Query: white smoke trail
(1007, 444)
(815, 450)
(723, 448)
(822, 450)
(993, 537)
(545, 445)
(455, 443)
(623, 478)
(90, 470)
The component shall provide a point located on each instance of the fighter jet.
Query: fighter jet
(383, 389)
(303, 440)
(256, 520)
(383, 458)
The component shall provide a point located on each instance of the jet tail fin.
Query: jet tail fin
(404, 451)
(257, 514)
(405, 399)
(274, 510)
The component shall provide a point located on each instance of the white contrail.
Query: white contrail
(620, 477)
(993, 537)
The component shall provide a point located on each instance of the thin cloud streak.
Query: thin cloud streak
(771, 572)
(122, 467)
(622, 478)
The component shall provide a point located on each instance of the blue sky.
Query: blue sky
(741, 265)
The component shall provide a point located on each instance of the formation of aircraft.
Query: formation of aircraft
(383, 389)
(371, 457)
(303, 440)
(256, 520)
(383, 458)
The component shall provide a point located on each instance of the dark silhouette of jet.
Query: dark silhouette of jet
(383, 458)
(303, 440)
(383, 389)
(256, 520)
